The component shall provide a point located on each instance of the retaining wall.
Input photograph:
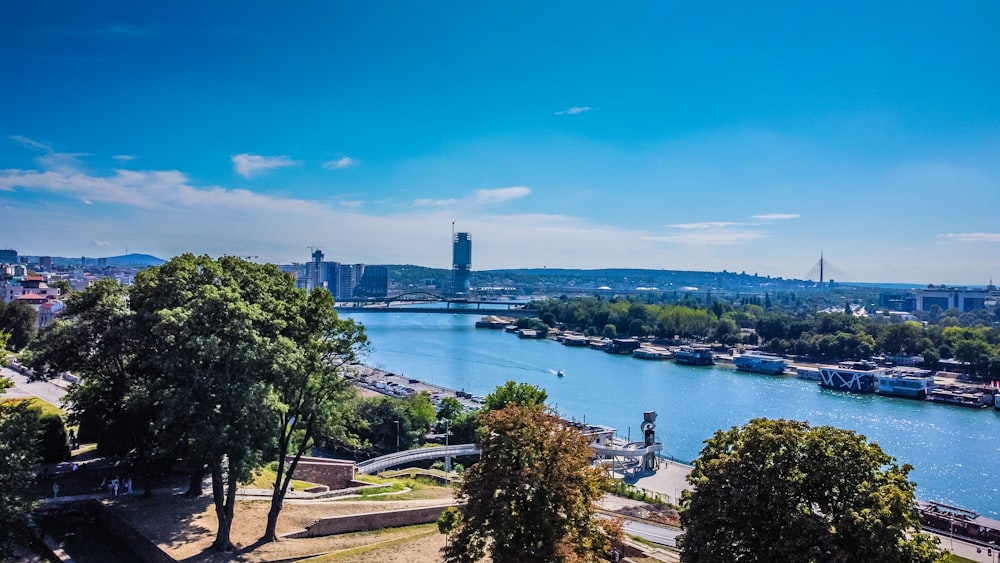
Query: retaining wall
(370, 521)
(334, 473)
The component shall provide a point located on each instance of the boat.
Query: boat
(912, 383)
(574, 340)
(958, 398)
(694, 356)
(811, 374)
(622, 346)
(760, 363)
(652, 353)
(856, 377)
(560, 373)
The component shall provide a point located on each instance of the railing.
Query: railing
(391, 460)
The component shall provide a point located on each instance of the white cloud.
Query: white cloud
(96, 242)
(575, 110)
(123, 157)
(707, 225)
(714, 236)
(342, 162)
(775, 216)
(250, 165)
(478, 197)
(350, 204)
(972, 237)
(31, 143)
(499, 195)
(87, 201)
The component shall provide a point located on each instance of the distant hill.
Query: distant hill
(128, 260)
(135, 260)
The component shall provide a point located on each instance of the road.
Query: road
(46, 390)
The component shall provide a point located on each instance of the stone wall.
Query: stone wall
(370, 521)
(138, 543)
(334, 473)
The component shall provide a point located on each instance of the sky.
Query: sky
(665, 134)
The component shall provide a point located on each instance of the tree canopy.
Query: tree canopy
(19, 429)
(512, 393)
(220, 363)
(780, 490)
(531, 496)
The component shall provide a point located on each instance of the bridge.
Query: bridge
(375, 465)
(425, 302)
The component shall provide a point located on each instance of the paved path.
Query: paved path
(49, 391)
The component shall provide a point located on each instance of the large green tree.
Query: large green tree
(308, 379)
(531, 496)
(211, 329)
(782, 491)
(18, 453)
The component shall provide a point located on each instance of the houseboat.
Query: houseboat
(906, 382)
(760, 363)
(694, 356)
(960, 398)
(808, 373)
(622, 346)
(856, 377)
(652, 353)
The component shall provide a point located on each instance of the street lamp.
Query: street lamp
(397, 434)
(447, 457)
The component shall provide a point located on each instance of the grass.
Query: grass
(952, 558)
(265, 476)
(418, 531)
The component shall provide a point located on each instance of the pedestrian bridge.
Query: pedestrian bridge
(375, 465)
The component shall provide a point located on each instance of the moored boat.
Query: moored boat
(652, 353)
(856, 377)
(760, 363)
(694, 356)
(906, 382)
(958, 398)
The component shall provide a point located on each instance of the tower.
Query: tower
(316, 276)
(821, 268)
(461, 262)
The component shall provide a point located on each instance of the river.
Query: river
(955, 451)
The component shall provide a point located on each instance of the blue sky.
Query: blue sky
(746, 136)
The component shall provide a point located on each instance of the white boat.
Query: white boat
(694, 356)
(760, 363)
(857, 377)
(906, 382)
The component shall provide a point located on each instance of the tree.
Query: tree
(18, 453)
(309, 383)
(115, 400)
(780, 490)
(17, 318)
(531, 496)
(522, 394)
(450, 409)
(213, 330)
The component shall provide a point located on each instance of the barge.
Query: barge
(760, 363)
(694, 356)
(911, 383)
(856, 377)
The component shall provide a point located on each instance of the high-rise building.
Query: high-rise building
(8, 256)
(45, 263)
(461, 252)
(374, 282)
(315, 270)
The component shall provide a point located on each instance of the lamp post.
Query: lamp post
(397, 434)
(447, 457)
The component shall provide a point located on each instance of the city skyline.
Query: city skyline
(661, 135)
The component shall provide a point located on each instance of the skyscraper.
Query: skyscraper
(461, 251)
